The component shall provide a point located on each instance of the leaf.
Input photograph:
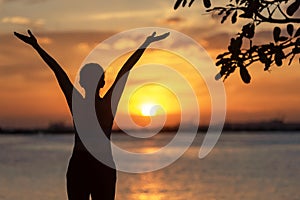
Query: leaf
(246, 14)
(279, 55)
(290, 29)
(291, 60)
(245, 75)
(249, 30)
(191, 2)
(293, 8)
(222, 55)
(218, 77)
(224, 19)
(219, 56)
(298, 42)
(276, 33)
(297, 33)
(267, 66)
(221, 12)
(296, 50)
(177, 4)
(207, 3)
(238, 42)
(220, 62)
(278, 60)
(235, 45)
(283, 38)
(234, 17)
(262, 56)
(243, 1)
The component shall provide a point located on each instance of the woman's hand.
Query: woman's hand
(154, 38)
(27, 39)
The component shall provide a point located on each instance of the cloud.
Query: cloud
(21, 70)
(24, 76)
(16, 20)
(208, 37)
(124, 43)
(45, 40)
(24, 1)
(69, 48)
(173, 20)
(214, 38)
(124, 14)
(19, 20)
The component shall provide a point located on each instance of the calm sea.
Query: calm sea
(241, 166)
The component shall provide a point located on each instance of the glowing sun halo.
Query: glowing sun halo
(149, 109)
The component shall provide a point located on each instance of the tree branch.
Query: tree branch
(277, 21)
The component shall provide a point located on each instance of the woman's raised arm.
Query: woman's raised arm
(124, 72)
(61, 76)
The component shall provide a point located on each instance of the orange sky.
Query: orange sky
(30, 96)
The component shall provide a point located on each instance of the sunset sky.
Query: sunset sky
(70, 30)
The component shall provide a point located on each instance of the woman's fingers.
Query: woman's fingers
(17, 34)
(20, 36)
(29, 32)
(163, 36)
(26, 39)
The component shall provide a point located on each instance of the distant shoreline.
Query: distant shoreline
(264, 126)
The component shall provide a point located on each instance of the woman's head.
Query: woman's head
(91, 77)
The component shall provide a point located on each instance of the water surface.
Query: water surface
(241, 166)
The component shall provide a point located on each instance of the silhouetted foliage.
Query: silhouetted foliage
(257, 11)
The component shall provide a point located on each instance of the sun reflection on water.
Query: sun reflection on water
(148, 187)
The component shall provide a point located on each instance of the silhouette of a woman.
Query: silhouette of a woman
(86, 176)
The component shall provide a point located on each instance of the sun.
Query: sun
(153, 105)
(149, 109)
(152, 100)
